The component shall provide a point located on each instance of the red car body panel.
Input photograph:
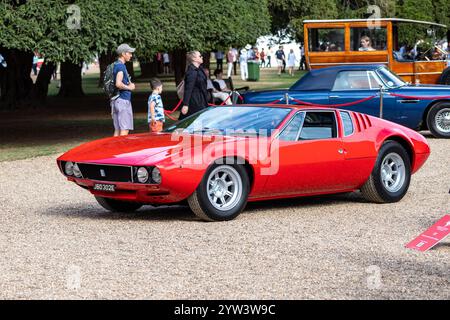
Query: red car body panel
(308, 167)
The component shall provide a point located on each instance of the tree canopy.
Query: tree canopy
(287, 15)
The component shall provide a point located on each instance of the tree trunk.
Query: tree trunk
(40, 88)
(130, 69)
(149, 69)
(15, 80)
(206, 59)
(104, 60)
(71, 85)
(179, 64)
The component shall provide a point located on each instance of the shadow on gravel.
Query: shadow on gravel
(306, 202)
(147, 213)
(428, 135)
(183, 213)
(444, 246)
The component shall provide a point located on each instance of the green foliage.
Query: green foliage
(149, 25)
(359, 9)
(411, 33)
(288, 15)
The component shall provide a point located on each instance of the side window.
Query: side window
(347, 123)
(319, 125)
(290, 132)
(326, 40)
(356, 80)
(365, 39)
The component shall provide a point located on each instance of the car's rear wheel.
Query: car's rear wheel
(390, 178)
(222, 194)
(117, 205)
(438, 120)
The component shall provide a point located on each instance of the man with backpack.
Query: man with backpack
(118, 86)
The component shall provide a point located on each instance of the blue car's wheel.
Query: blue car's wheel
(438, 120)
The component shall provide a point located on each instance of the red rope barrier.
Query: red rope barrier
(174, 109)
(275, 101)
(334, 105)
(223, 103)
(419, 98)
(168, 116)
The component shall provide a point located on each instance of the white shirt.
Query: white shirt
(222, 84)
(291, 59)
(209, 85)
(166, 58)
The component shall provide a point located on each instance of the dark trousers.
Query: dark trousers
(302, 63)
(219, 64)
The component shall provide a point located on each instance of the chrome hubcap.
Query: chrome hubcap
(442, 120)
(393, 172)
(224, 187)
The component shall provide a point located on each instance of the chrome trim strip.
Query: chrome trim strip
(413, 74)
(347, 63)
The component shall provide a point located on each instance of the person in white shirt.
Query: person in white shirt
(243, 58)
(366, 44)
(231, 59)
(225, 92)
(217, 94)
(166, 60)
(291, 60)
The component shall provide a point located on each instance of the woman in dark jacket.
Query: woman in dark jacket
(195, 92)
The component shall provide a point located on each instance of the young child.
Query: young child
(156, 116)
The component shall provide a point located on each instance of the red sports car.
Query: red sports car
(222, 157)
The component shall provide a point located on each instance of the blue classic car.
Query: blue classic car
(357, 88)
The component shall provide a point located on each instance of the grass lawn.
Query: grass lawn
(65, 123)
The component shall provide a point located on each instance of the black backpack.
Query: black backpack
(109, 83)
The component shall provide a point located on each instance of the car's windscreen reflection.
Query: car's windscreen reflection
(233, 120)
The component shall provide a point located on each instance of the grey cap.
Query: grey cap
(124, 48)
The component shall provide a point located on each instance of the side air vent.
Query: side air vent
(362, 121)
(356, 120)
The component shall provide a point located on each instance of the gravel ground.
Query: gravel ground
(56, 242)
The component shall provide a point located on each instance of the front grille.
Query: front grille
(106, 172)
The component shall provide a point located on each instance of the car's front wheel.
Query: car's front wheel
(391, 175)
(117, 205)
(222, 194)
(438, 120)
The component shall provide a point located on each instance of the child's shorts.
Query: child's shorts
(156, 126)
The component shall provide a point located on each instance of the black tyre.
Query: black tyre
(438, 120)
(222, 194)
(117, 205)
(390, 178)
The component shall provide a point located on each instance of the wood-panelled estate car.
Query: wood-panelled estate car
(377, 41)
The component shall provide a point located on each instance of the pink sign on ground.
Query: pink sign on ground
(432, 236)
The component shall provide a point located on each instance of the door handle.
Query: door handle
(334, 97)
(408, 101)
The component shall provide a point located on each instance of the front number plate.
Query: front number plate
(105, 187)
